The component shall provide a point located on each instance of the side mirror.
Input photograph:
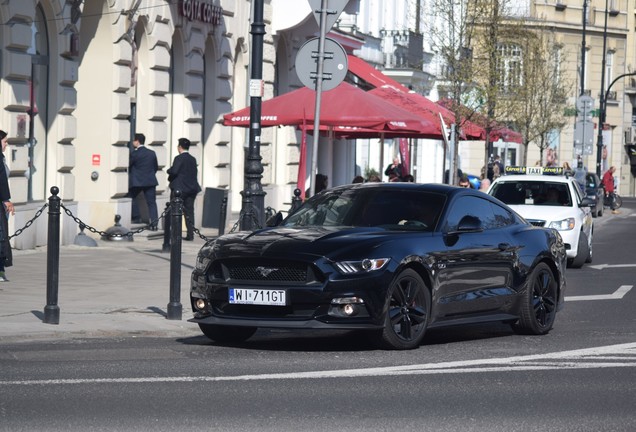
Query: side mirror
(274, 220)
(587, 202)
(469, 224)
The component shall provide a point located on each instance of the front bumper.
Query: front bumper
(309, 306)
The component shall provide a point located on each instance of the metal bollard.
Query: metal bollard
(52, 310)
(296, 201)
(166, 229)
(176, 211)
(223, 216)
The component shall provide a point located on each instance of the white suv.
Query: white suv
(545, 196)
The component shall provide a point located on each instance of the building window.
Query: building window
(609, 62)
(509, 64)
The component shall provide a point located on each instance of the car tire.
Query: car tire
(581, 252)
(590, 252)
(407, 310)
(600, 211)
(227, 334)
(539, 305)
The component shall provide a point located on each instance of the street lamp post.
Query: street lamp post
(252, 205)
(602, 115)
(602, 102)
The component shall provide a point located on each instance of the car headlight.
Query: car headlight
(563, 225)
(202, 262)
(364, 266)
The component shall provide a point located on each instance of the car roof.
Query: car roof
(448, 190)
(536, 178)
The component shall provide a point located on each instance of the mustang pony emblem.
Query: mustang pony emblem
(265, 271)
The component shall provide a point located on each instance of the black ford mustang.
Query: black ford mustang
(393, 259)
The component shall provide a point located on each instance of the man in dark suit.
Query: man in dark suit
(142, 178)
(182, 176)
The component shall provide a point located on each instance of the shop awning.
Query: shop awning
(368, 73)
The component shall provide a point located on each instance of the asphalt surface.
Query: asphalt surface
(116, 288)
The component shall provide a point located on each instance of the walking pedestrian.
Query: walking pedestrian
(608, 184)
(182, 176)
(142, 179)
(6, 256)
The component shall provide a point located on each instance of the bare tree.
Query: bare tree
(467, 37)
(450, 33)
(538, 107)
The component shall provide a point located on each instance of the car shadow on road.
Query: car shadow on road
(353, 340)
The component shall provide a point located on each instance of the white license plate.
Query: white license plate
(265, 297)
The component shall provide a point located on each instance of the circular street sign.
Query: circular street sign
(334, 66)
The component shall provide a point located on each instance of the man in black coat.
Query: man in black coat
(182, 176)
(143, 180)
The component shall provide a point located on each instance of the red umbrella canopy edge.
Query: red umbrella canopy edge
(343, 106)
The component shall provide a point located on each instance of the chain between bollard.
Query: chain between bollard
(105, 234)
(30, 222)
(257, 224)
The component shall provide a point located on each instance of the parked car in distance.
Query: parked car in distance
(390, 259)
(594, 189)
(546, 197)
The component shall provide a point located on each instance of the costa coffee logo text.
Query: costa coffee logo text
(195, 10)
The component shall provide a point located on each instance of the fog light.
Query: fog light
(350, 309)
(200, 304)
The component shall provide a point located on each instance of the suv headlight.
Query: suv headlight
(364, 266)
(563, 225)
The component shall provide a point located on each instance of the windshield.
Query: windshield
(532, 193)
(371, 207)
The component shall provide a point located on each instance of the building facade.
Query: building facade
(79, 78)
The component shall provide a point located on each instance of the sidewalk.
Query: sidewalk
(116, 288)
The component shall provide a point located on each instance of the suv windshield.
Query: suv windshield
(371, 207)
(532, 193)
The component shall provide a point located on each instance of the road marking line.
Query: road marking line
(576, 359)
(617, 295)
(604, 266)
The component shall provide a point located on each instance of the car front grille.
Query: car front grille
(268, 273)
(258, 271)
(536, 222)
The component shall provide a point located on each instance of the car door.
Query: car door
(475, 269)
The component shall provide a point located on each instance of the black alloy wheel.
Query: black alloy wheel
(539, 307)
(407, 311)
(227, 334)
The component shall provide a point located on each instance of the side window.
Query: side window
(502, 216)
(473, 206)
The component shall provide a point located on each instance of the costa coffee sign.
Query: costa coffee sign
(198, 10)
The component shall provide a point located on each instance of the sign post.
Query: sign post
(325, 18)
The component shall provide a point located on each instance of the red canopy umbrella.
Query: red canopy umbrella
(345, 106)
(428, 109)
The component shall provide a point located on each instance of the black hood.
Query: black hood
(305, 241)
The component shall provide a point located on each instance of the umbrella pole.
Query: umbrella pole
(381, 154)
